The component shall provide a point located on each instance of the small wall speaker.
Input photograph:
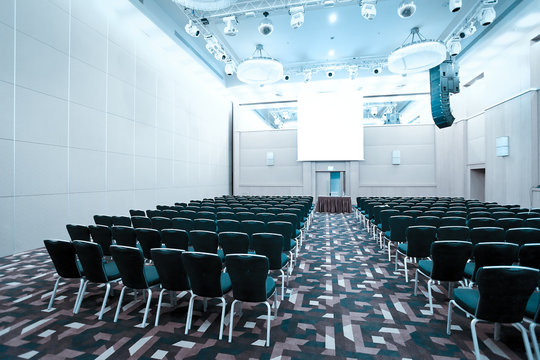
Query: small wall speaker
(396, 157)
(502, 146)
(270, 158)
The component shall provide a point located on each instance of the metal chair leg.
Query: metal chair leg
(415, 281)
(475, 339)
(159, 306)
(269, 313)
(190, 312)
(429, 295)
(231, 322)
(525, 337)
(105, 298)
(449, 320)
(146, 310)
(81, 296)
(532, 329)
(119, 306)
(224, 305)
(54, 294)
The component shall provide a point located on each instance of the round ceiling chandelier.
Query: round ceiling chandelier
(205, 5)
(417, 55)
(259, 69)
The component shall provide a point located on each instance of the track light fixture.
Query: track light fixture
(406, 9)
(486, 16)
(307, 76)
(230, 26)
(369, 9)
(467, 31)
(230, 68)
(453, 46)
(266, 27)
(192, 29)
(353, 72)
(454, 5)
(297, 16)
(215, 48)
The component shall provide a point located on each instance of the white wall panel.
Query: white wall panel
(40, 169)
(49, 75)
(145, 140)
(119, 172)
(120, 136)
(44, 21)
(83, 207)
(87, 128)
(45, 121)
(6, 164)
(120, 97)
(6, 109)
(88, 44)
(145, 107)
(7, 9)
(87, 171)
(91, 13)
(121, 63)
(7, 228)
(145, 172)
(6, 55)
(87, 84)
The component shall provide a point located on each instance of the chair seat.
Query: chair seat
(379, 226)
(270, 286)
(152, 277)
(221, 254)
(284, 259)
(402, 248)
(532, 305)
(293, 244)
(387, 234)
(111, 270)
(297, 233)
(425, 266)
(467, 298)
(469, 269)
(226, 284)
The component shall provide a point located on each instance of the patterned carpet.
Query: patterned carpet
(346, 302)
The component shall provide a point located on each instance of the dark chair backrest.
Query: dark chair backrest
(449, 259)
(428, 221)
(486, 234)
(124, 236)
(437, 213)
(504, 292)
(289, 217)
(245, 215)
(204, 241)
(508, 223)
(204, 224)
(148, 239)
(480, 222)
(529, 255)
(160, 223)
(153, 213)
(385, 218)
(91, 258)
(502, 214)
(78, 232)
(170, 213)
(182, 224)
(175, 238)
(398, 227)
(493, 253)
(455, 213)
(206, 215)
(130, 263)
(248, 276)
(283, 228)
(134, 212)
(453, 221)
(253, 226)
(170, 269)
(453, 233)
(269, 245)
(226, 215)
(62, 254)
(227, 225)
(204, 273)
(478, 214)
(413, 213)
(105, 220)
(103, 236)
(141, 222)
(532, 222)
(187, 214)
(232, 242)
(523, 235)
(419, 240)
(265, 217)
(121, 221)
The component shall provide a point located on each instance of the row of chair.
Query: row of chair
(173, 270)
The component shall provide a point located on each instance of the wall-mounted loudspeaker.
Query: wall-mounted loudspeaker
(444, 80)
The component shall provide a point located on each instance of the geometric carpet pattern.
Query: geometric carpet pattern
(344, 302)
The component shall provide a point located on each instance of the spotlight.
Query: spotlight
(467, 31)
(406, 9)
(376, 70)
(297, 16)
(374, 111)
(486, 16)
(192, 29)
(266, 27)
(369, 10)
(454, 46)
(286, 77)
(353, 72)
(330, 74)
(230, 68)
(230, 27)
(215, 48)
(307, 76)
(454, 5)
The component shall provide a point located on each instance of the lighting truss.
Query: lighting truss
(342, 64)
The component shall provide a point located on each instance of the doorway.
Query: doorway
(330, 183)
(478, 184)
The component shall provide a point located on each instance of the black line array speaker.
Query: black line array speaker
(444, 80)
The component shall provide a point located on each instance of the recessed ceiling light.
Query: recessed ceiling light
(331, 53)
(332, 18)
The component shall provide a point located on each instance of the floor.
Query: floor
(346, 302)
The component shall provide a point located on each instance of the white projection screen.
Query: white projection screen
(330, 126)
